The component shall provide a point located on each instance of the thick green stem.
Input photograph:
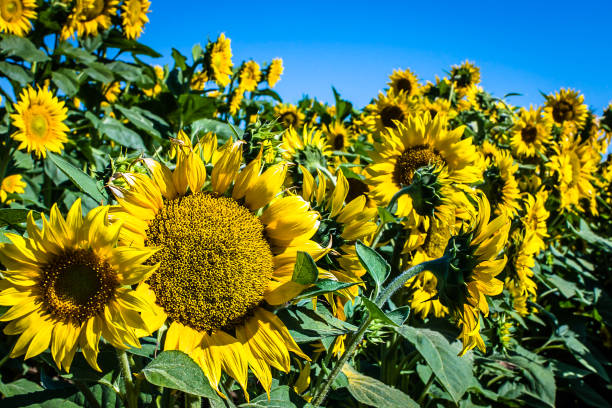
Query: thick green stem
(426, 389)
(355, 340)
(131, 398)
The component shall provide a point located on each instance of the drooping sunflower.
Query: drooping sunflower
(474, 259)
(531, 133)
(566, 108)
(157, 88)
(338, 136)
(404, 81)
(435, 162)
(234, 239)
(134, 17)
(40, 120)
(11, 184)
(89, 17)
(519, 277)
(308, 148)
(69, 284)
(535, 218)
(464, 76)
(250, 75)
(220, 60)
(289, 116)
(235, 100)
(575, 165)
(198, 81)
(275, 70)
(500, 186)
(15, 16)
(388, 108)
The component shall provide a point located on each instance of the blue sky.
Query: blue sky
(525, 46)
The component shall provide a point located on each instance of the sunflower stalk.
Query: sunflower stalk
(131, 398)
(381, 299)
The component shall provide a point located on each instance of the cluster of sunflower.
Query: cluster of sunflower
(177, 233)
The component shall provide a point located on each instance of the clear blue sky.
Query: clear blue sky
(520, 46)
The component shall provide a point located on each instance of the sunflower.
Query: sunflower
(220, 60)
(40, 121)
(531, 133)
(308, 148)
(134, 17)
(519, 280)
(474, 260)
(198, 81)
(404, 81)
(437, 165)
(575, 165)
(500, 186)
(338, 136)
(15, 16)
(464, 76)
(289, 116)
(10, 185)
(566, 108)
(389, 108)
(235, 101)
(69, 284)
(157, 88)
(234, 239)
(436, 107)
(250, 75)
(535, 218)
(111, 91)
(89, 17)
(275, 70)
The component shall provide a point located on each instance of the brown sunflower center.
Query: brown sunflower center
(390, 113)
(77, 285)
(289, 119)
(339, 142)
(215, 262)
(94, 9)
(404, 84)
(529, 134)
(356, 188)
(563, 111)
(412, 159)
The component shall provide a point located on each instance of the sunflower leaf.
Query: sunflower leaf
(371, 260)
(176, 370)
(305, 271)
(370, 391)
(376, 313)
(325, 286)
(85, 183)
(22, 48)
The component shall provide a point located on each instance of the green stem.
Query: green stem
(130, 396)
(91, 399)
(426, 389)
(356, 339)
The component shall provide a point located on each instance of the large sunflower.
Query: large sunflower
(134, 17)
(531, 133)
(474, 257)
(404, 81)
(227, 248)
(15, 16)
(499, 184)
(289, 116)
(89, 17)
(436, 163)
(220, 60)
(566, 108)
(40, 119)
(69, 284)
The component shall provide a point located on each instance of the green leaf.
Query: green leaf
(99, 72)
(217, 127)
(115, 131)
(135, 117)
(176, 370)
(21, 386)
(305, 271)
(65, 80)
(376, 313)
(12, 216)
(78, 54)
(15, 73)
(323, 286)
(586, 233)
(307, 325)
(399, 315)
(126, 71)
(371, 260)
(280, 397)
(85, 183)
(23, 48)
(453, 372)
(179, 59)
(370, 391)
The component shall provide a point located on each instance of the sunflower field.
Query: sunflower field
(179, 236)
